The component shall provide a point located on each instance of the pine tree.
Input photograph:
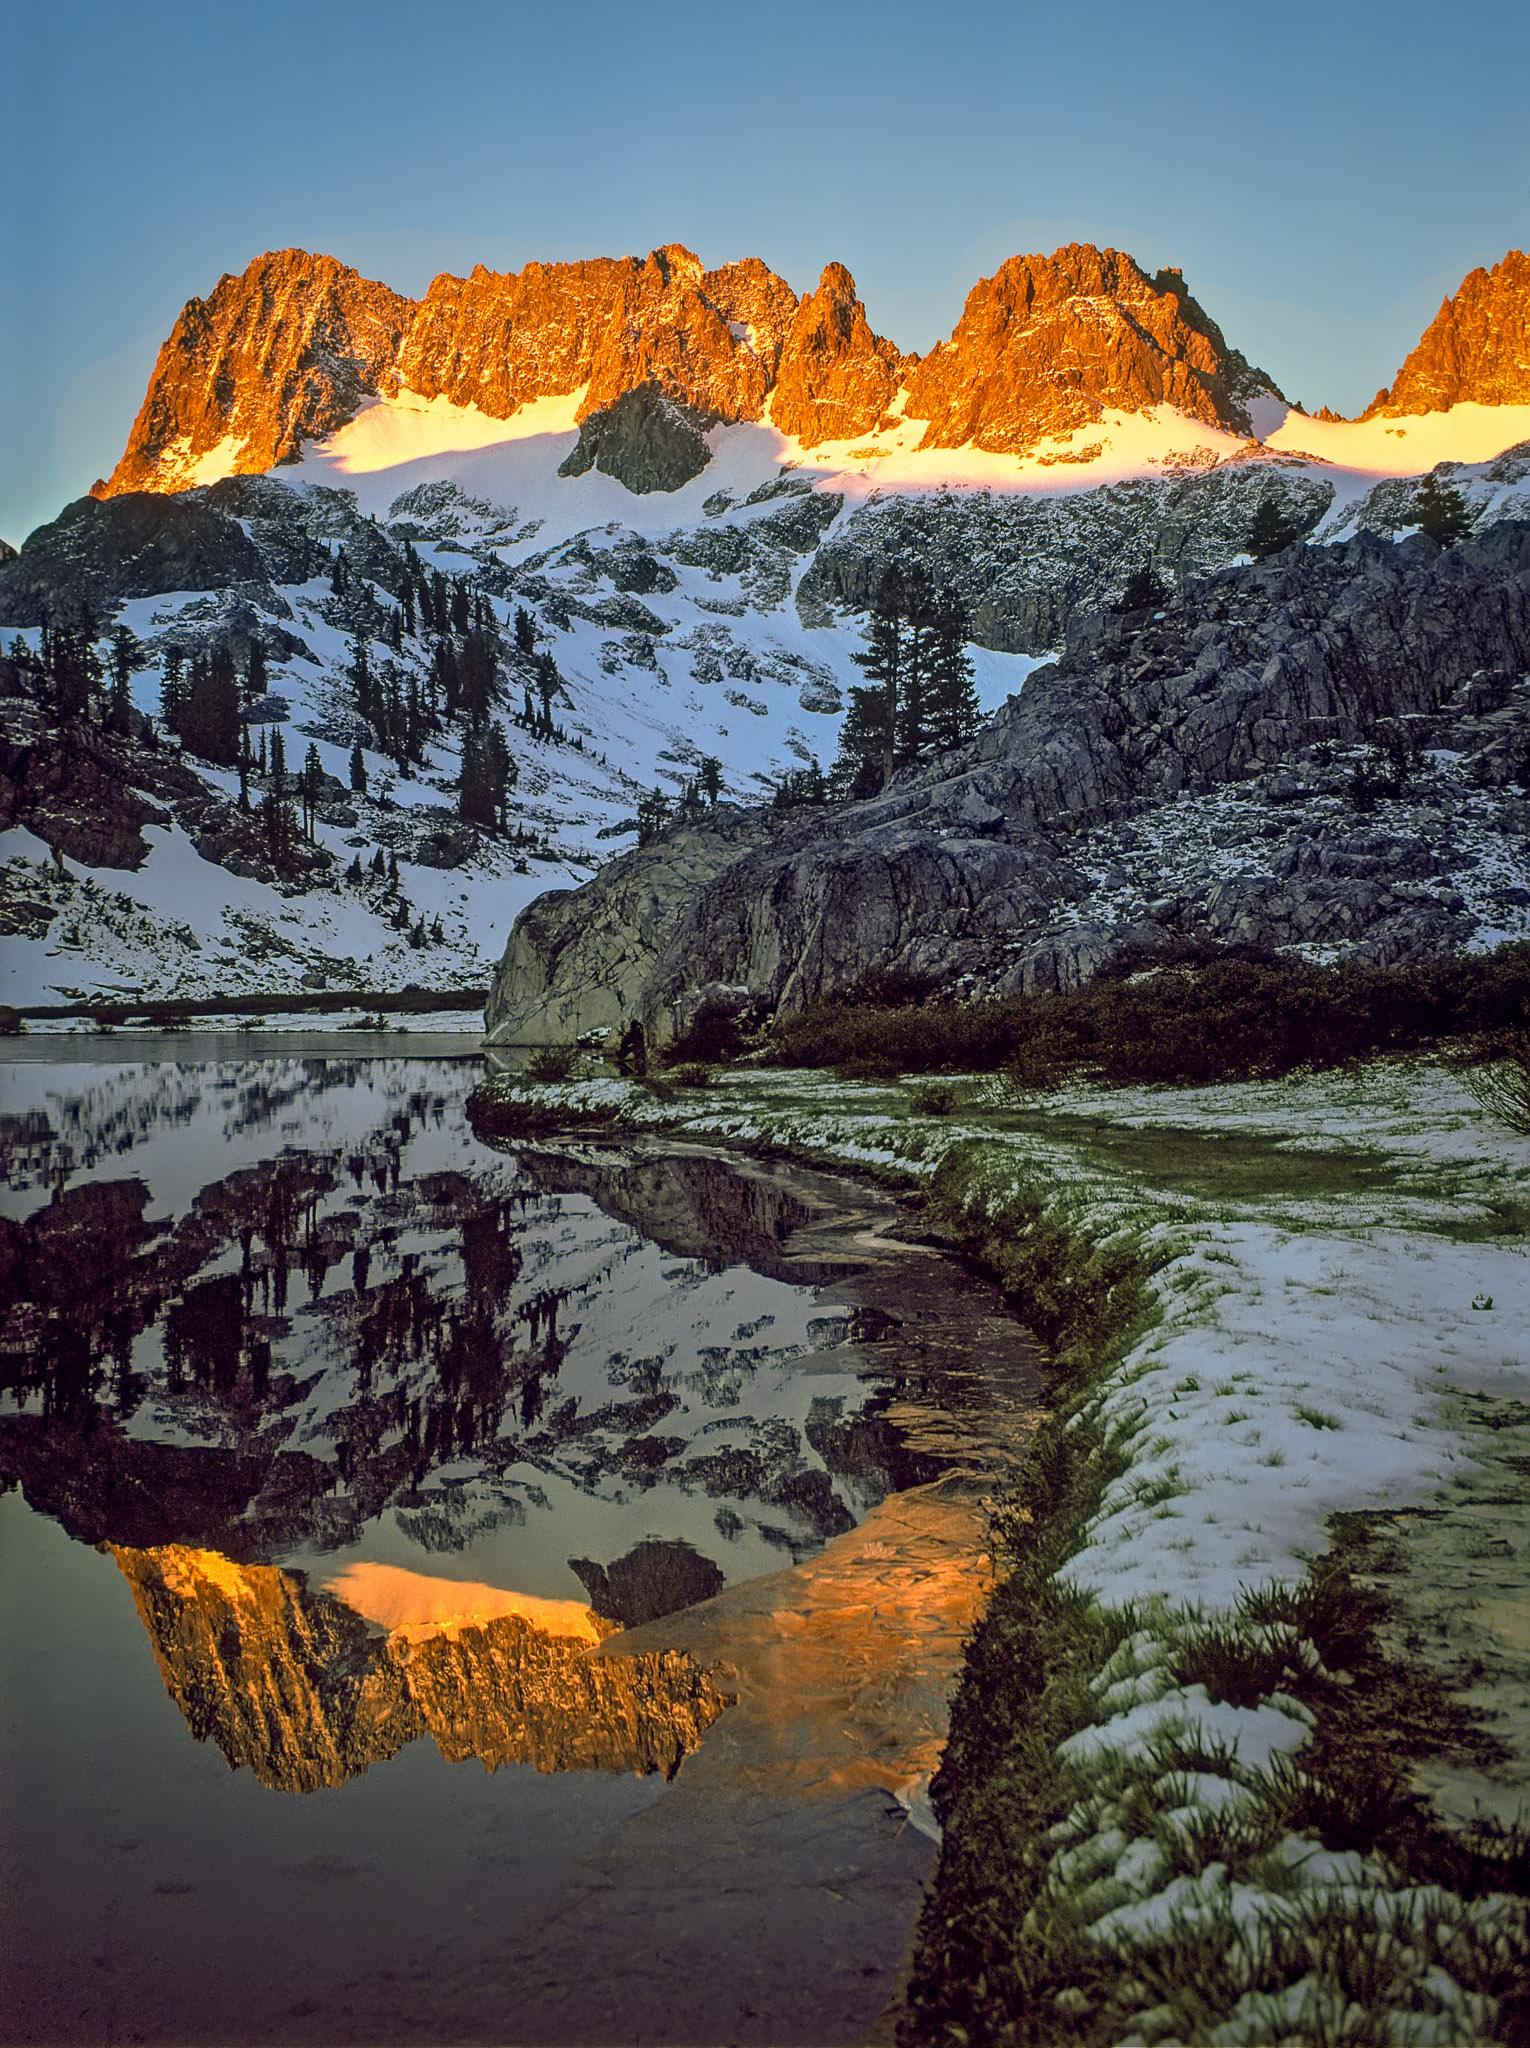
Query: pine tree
(710, 777)
(278, 759)
(865, 743)
(358, 770)
(1440, 511)
(869, 737)
(1144, 591)
(652, 816)
(210, 716)
(953, 714)
(72, 665)
(549, 682)
(1272, 530)
(525, 632)
(502, 772)
(256, 676)
(363, 682)
(918, 622)
(126, 655)
(310, 784)
(276, 832)
(476, 662)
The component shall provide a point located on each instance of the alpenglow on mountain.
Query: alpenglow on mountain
(291, 349)
(494, 578)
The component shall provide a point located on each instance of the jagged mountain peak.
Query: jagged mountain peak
(284, 352)
(1049, 343)
(1476, 350)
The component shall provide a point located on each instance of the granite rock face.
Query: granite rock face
(563, 974)
(284, 353)
(837, 379)
(1046, 344)
(1209, 774)
(1476, 349)
(290, 350)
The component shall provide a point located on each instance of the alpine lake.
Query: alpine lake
(456, 1592)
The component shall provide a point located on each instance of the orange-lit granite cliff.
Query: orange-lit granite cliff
(284, 353)
(837, 378)
(292, 348)
(293, 1684)
(289, 351)
(1476, 350)
(1047, 343)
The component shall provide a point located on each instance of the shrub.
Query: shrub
(552, 1063)
(716, 1035)
(1502, 1084)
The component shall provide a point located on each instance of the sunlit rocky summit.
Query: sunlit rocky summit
(644, 506)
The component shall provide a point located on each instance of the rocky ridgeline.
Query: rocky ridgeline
(289, 350)
(1477, 347)
(1325, 751)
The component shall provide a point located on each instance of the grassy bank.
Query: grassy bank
(1184, 1793)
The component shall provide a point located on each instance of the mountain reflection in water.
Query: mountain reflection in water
(397, 1323)
(650, 1480)
(293, 1684)
(605, 1378)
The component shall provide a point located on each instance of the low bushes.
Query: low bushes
(1232, 1017)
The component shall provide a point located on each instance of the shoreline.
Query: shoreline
(1247, 1815)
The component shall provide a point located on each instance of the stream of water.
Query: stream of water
(460, 1594)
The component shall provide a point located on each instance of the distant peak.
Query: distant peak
(1476, 350)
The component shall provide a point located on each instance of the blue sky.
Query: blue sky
(1324, 174)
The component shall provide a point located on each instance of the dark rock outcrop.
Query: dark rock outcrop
(1476, 350)
(140, 545)
(646, 441)
(654, 1579)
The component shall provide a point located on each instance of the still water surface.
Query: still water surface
(430, 1573)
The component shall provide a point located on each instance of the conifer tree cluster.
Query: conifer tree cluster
(657, 809)
(199, 703)
(919, 697)
(73, 667)
(489, 774)
(1440, 511)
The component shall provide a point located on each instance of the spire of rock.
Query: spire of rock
(837, 378)
(1476, 350)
